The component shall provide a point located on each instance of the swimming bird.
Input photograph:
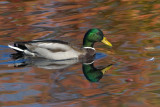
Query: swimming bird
(61, 50)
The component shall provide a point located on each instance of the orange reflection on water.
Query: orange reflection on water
(131, 26)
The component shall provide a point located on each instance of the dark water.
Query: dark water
(132, 26)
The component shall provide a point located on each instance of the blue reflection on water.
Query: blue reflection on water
(157, 47)
(3, 46)
(17, 86)
(13, 62)
(20, 88)
(4, 2)
(15, 70)
(99, 56)
(5, 56)
(18, 96)
(13, 86)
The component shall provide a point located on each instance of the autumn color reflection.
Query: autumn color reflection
(131, 25)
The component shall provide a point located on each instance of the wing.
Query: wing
(48, 44)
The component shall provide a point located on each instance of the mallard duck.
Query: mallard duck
(94, 74)
(61, 50)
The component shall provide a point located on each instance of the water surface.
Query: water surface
(132, 26)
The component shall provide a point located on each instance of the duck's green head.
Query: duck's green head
(94, 35)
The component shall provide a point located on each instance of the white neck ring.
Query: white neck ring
(89, 48)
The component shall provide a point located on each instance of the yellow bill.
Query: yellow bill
(106, 69)
(105, 41)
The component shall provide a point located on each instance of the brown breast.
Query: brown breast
(88, 56)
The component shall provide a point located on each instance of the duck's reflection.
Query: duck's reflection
(45, 63)
(91, 73)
